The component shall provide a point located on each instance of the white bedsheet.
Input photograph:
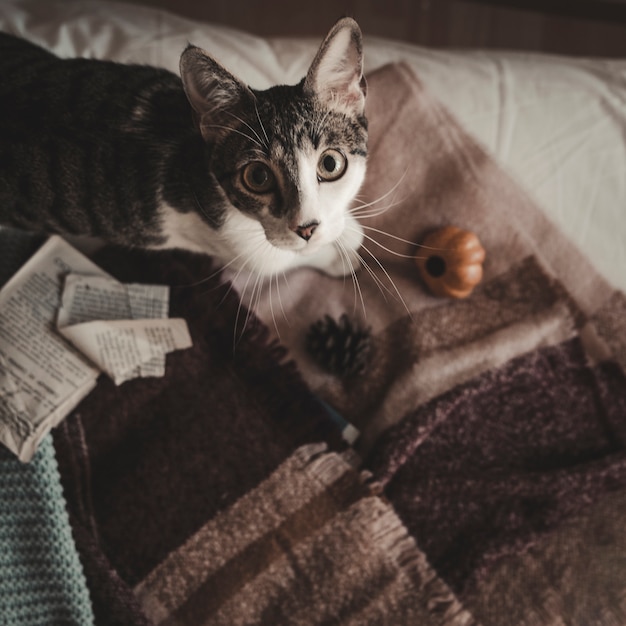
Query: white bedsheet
(557, 124)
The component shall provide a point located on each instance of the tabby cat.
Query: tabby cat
(261, 180)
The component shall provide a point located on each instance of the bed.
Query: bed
(332, 453)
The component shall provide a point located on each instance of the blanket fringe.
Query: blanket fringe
(393, 537)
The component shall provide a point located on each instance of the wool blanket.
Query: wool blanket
(488, 484)
(41, 576)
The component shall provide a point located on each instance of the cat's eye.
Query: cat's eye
(258, 177)
(331, 166)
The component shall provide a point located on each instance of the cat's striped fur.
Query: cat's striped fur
(136, 156)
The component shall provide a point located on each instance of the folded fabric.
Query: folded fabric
(478, 472)
(41, 577)
(311, 544)
(574, 575)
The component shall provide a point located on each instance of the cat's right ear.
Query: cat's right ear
(336, 74)
(212, 91)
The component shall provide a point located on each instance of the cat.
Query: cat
(137, 156)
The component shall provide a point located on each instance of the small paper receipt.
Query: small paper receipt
(122, 330)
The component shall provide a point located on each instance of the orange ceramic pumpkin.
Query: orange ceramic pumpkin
(451, 262)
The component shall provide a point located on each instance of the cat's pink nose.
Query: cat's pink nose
(306, 230)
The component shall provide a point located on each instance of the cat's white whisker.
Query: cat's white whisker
(360, 212)
(377, 280)
(387, 193)
(384, 232)
(361, 202)
(258, 116)
(321, 122)
(261, 142)
(280, 298)
(355, 279)
(345, 264)
(343, 254)
(238, 273)
(237, 315)
(249, 256)
(259, 285)
(392, 283)
(221, 268)
(243, 295)
(236, 130)
(254, 297)
(412, 243)
(269, 291)
(199, 204)
(379, 283)
(380, 245)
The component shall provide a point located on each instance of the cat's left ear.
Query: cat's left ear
(336, 74)
(212, 91)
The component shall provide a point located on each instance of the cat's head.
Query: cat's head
(289, 160)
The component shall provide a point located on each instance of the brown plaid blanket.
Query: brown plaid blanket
(488, 484)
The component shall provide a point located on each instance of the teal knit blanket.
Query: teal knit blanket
(41, 577)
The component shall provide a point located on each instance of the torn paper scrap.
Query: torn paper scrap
(89, 298)
(121, 328)
(125, 349)
(42, 378)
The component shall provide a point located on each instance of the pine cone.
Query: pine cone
(341, 348)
